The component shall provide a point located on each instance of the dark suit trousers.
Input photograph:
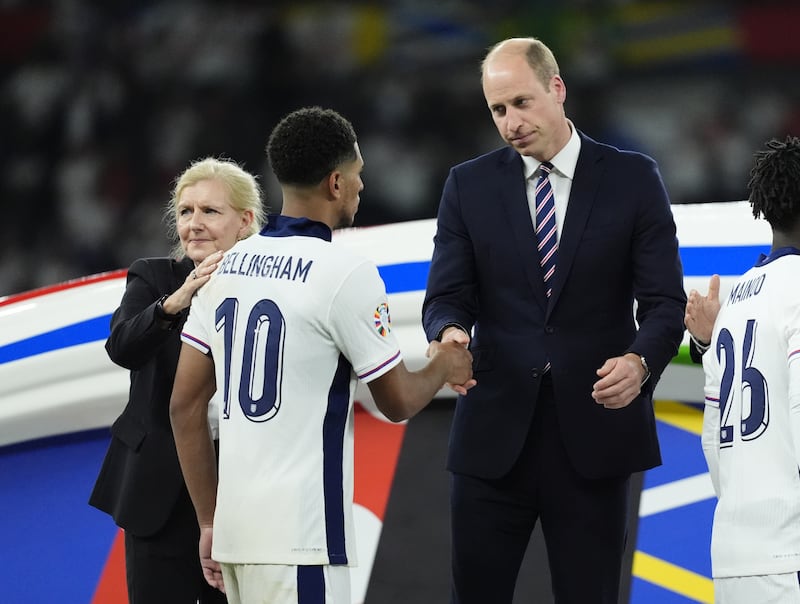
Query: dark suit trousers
(165, 568)
(583, 523)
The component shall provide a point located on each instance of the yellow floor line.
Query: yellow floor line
(680, 416)
(672, 577)
(654, 570)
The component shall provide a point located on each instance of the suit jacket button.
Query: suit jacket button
(549, 329)
(536, 373)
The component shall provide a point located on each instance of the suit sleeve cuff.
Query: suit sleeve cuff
(163, 318)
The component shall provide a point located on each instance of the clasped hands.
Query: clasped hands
(455, 343)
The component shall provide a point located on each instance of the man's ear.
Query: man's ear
(333, 183)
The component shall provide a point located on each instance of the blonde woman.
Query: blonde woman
(214, 204)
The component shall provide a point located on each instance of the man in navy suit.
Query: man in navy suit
(562, 413)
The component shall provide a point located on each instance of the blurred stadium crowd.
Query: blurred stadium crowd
(103, 104)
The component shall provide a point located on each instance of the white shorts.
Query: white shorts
(286, 584)
(763, 589)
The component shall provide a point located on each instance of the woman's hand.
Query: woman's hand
(182, 297)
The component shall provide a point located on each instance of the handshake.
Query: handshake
(453, 354)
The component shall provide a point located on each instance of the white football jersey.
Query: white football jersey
(291, 321)
(751, 431)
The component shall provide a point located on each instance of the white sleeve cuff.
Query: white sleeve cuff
(700, 346)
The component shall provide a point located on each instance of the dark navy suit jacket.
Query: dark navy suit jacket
(618, 245)
(140, 479)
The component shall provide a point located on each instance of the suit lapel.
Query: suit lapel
(513, 198)
(585, 183)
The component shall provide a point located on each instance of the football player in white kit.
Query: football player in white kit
(751, 427)
(283, 330)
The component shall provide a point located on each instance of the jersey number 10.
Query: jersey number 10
(261, 365)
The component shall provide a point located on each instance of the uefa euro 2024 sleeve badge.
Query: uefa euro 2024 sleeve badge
(383, 322)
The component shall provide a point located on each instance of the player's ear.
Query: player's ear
(334, 186)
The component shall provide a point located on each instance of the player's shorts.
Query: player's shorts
(285, 584)
(764, 589)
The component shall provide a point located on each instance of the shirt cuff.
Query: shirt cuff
(701, 347)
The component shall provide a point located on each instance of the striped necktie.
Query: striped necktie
(546, 232)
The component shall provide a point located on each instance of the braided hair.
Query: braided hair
(775, 183)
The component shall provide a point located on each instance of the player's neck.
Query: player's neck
(786, 238)
(308, 202)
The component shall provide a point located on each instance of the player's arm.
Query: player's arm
(188, 408)
(794, 384)
(194, 386)
(710, 441)
(400, 394)
(711, 418)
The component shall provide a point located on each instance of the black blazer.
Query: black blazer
(618, 244)
(140, 478)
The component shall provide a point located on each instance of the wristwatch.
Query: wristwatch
(163, 318)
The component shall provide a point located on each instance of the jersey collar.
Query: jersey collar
(778, 253)
(286, 226)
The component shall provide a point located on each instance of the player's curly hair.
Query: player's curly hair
(775, 183)
(308, 144)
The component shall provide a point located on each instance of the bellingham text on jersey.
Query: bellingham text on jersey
(747, 289)
(270, 267)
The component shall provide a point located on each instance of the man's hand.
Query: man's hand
(702, 311)
(212, 571)
(620, 381)
(457, 341)
(455, 334)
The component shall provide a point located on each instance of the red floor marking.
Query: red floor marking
(377, 447)
(112, 588)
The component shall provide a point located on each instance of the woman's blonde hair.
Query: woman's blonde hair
(245, 193)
